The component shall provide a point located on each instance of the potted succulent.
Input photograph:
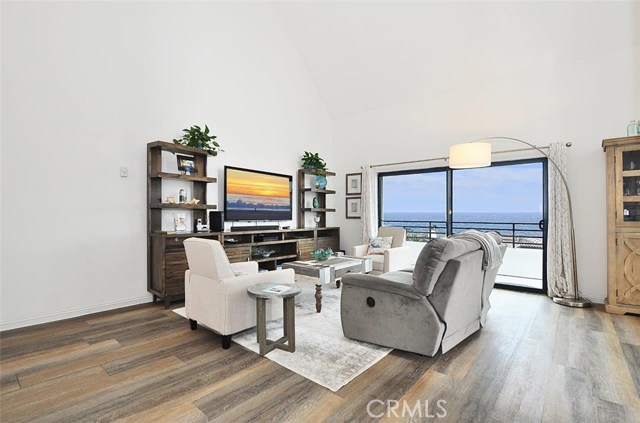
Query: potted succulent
(314, 161)
(196, 137)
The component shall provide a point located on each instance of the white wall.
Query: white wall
(583, 101)
(84, 87)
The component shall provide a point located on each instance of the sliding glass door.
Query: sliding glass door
(507, 197)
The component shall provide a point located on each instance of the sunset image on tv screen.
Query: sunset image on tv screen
(252, 191)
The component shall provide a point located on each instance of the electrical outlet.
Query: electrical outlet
(124, 172)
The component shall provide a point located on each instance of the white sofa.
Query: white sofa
(216, 290)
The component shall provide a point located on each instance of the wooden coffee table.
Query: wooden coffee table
(329, 271)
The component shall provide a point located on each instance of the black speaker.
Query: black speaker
(216, 221)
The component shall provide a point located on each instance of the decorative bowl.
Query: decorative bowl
(322, 255)
(264, 253)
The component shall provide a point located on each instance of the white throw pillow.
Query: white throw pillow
(378, 244)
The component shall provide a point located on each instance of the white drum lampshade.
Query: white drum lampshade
(470, 155)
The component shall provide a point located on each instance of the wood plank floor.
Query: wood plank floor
(534, 362)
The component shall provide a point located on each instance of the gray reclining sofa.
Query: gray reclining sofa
(443, 301)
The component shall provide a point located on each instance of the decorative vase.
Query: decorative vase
(315, 203)
(320, 181)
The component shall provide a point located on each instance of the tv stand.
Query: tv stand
(283, 244)
(247, 245)
(255, 228)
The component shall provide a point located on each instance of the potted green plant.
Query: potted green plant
(314, 161)
(196, 137)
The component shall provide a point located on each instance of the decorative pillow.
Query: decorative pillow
(378, 244)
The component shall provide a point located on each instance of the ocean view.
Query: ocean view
(527, 223)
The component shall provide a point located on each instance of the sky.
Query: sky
(257, 187)
(496, 189)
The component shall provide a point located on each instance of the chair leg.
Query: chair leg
(226, 341)
(193, 324)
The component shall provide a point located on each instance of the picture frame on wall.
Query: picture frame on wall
(186, 164)
(353, 207)
(354, 184)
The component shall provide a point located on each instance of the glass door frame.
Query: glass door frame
(449, 211)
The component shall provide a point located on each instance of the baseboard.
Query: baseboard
(594, 300)
(53, 317)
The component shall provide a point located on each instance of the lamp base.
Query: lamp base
(572, 302)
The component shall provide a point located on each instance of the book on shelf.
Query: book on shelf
(276, 289)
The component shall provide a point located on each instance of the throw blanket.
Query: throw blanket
(489, 242)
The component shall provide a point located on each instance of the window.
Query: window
(508, 197)
(415, 200)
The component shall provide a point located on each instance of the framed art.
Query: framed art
(353, 208)
(180, 222)
(186, 164)
(354, 184)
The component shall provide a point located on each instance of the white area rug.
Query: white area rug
(323, 355)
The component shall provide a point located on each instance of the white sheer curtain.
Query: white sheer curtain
(560, 277)
(369, 204)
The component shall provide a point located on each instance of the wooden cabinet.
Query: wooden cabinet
(306, 191)
(166, 261)
(282, 245)
(623, 224)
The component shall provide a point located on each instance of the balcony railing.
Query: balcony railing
(515, 234)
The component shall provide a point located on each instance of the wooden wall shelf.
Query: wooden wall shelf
(190, 178)
(166, 260)
(319, 193)
(184, 206)
(318, 210)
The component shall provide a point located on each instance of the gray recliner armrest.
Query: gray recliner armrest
(400, 283)
(386, 310)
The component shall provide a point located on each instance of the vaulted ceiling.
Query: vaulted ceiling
(367, 55)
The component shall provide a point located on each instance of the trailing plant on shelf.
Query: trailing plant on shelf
(314, 161)
(196, 137)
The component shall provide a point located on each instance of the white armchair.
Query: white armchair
(398, 257)
(216, 290)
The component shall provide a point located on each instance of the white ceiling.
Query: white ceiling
(367, 55)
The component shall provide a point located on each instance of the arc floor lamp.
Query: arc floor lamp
(478, 154)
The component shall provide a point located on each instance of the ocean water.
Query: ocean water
(526, 223)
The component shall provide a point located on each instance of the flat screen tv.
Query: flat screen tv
(256, 195)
